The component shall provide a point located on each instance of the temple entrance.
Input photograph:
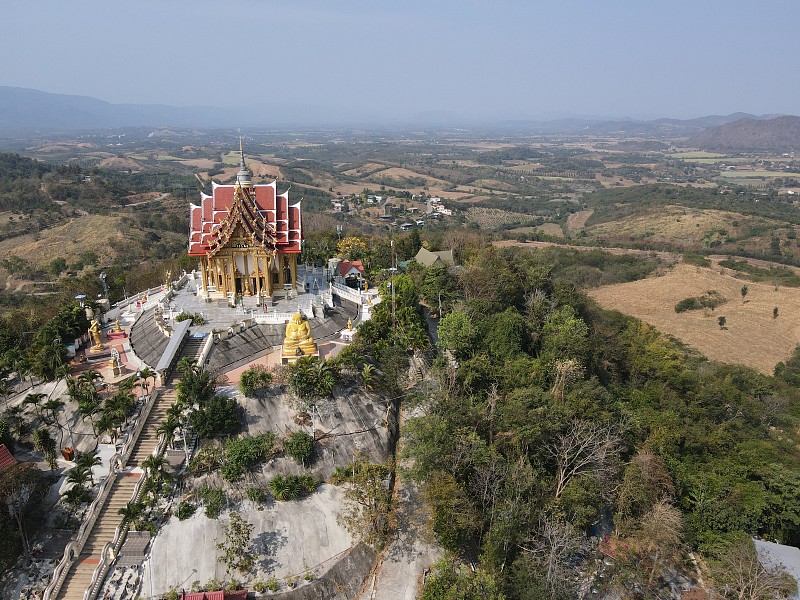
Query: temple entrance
(239, 287)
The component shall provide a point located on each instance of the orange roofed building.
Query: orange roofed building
(246, 236)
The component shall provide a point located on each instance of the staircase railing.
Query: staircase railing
(111, 550)
(117, 462)
(75, 547)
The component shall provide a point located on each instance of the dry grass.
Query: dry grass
(577, 221)
(752, 338)
(551, 229)
(677, 224)
(97, 233)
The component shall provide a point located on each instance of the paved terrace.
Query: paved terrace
(238, 345)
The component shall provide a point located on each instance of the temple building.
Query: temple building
(247, 237)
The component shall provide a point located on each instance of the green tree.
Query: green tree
(721, 320)
(237, 547)
(217, 416)
(367, 501)
(457, 334)
(744, 291)
(312, 379)
(57, 266)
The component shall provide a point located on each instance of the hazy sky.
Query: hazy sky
(401, 59)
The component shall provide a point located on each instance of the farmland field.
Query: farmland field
(752, 336)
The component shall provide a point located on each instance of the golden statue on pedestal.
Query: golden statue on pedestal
(298, 337)
(95, 331)
(117, 326)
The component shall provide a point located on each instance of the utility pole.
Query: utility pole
(394, 270)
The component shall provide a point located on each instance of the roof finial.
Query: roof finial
(243, 177)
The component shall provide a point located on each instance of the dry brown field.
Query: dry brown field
(551, 229)
(577, 220)
(752, 336)
(677, 224)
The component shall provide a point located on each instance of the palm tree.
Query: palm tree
(155, 464)
(146, 374)
(80, 476)
(167, 428)
(107, 422)
(87, 460)
(35, 400)
(53, 407)
(132, 513)
(75, 496)
(44, 443)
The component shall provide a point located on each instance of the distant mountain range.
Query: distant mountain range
(25, 110)
(781, 134)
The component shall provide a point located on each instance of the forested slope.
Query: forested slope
(567, 430)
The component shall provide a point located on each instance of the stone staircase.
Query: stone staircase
(193, 348)
(148, 438)
(80, 575)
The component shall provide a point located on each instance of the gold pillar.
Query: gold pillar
(257, 273)
(246, 276)
(204, 273)
(223, 276)
(281, 274)
(293, 267)
(232, 272)
(268, 275)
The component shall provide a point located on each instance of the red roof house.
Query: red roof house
(6, 459)
(348, 268)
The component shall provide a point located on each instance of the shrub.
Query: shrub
(257, 495)
(185, 510)
(272, 584)
(205, 461)
(218, 416)
(289, 487)
(300, 446)
(213, 499)
(196, 318)
(698, 260)
(711, 299)
(254, 380)
(284, 488)
(242, 454)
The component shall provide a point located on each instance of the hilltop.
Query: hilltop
(779, 134)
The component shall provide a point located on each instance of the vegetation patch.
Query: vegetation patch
(291, 487)
(711, 299)
(774, 275)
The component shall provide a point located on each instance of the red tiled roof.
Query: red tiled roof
(285, 218)
(237, 595)
(346, 265)
(6, 459)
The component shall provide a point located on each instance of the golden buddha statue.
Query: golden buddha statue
(349, 324)
(298, 337)
(95, 331)
(117, 325)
